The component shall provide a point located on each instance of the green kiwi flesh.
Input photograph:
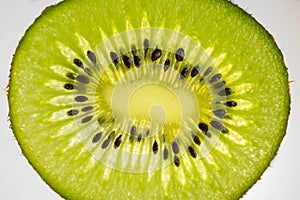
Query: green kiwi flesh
(148, 99)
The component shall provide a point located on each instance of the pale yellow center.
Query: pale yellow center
(154, 103)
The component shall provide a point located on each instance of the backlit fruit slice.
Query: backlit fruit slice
(148, 99)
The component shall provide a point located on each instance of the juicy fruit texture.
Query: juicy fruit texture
(156, 100)
(151, 108)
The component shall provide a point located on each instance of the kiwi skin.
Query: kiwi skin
(70, 195)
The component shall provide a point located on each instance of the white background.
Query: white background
(18, 180)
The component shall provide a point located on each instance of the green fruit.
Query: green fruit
(148, 100)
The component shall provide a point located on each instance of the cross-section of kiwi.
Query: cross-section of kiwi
(148, 99)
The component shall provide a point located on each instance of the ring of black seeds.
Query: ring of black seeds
(155, 54)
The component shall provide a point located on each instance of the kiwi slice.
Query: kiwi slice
(148, 99)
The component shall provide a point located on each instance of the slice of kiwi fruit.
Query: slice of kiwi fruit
(148, 99)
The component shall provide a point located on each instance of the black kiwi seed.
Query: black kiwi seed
(137, 61)
(81, 98)
(146, 46)
(69, 86)
(184, 73)
(225, 92)
(156, 54)
(231, 103)
(196, 139)
(147, 133)
(195, 71)
(78, 62)
(217, 125)
(87, 108)
(179, 54)
(167, 64)
(203, 127)
(175, 147)
(127, 61)
(155, 147)
(91, 56)
(72, 112)
(82, 79)
(165, 153)
(133, 130)
(111, 135)
(176, 161)
(86, 119)
(220, 113)
(70, 75)
(207, 71)
(225, 130)
(133, 49)
(192, 152)
(97, 137)
(114, 57)
(219, 85)
(139, 137)
(215, 78)
(118, 141)
(105, 143)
